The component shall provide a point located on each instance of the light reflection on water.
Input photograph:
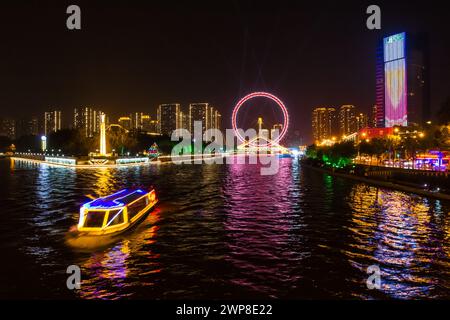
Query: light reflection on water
(400, 234)
(224, 232)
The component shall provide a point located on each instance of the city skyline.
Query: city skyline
(252, 55)
(225, 159)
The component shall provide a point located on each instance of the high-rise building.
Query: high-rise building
(125, 122)
(418, 79)
(373, 119)
(52, 122)
(362, 121)
(347, 120)
(8, 128)
(27, 127)
(378, 108)
(405, 100)
(199, 112)
(153, 127)
(207, 114)
(183, 119)
(140, 121)
(323, 123)
(168, 118)
(145, 122)
(136, 120)
(395, 103)
(87, 120)
(217, 120)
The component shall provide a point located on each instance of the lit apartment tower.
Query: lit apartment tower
(217, 120)
(405, 77)
(199, 112)
(8, 128)
(140, 121)
(212, 119)
(52, 122)
(168, 118)
(373, 118)
(347, 120)
(125, 122)
(362, 121)
(136, 119)
(87, 120)
(323, 123)
(183, 120)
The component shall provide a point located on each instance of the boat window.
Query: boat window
(137, 207)
(116, 216)
(94, 219)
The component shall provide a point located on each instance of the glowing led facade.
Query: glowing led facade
(264, 95)
(394, 49)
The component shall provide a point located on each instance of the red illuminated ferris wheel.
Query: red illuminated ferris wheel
(270, 96)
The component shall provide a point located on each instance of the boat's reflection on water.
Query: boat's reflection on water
(106, 271)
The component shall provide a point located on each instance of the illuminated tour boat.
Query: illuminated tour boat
(115, 213)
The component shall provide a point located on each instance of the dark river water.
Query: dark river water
(223, 232)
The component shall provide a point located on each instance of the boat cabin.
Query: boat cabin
(115, 212)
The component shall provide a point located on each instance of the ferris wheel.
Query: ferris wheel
(242, 104)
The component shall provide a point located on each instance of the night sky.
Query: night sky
(131, 56)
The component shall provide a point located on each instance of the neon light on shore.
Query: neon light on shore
(263, 95)
(66, 161)
(131, 160)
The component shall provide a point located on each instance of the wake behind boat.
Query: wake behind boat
(112, 215)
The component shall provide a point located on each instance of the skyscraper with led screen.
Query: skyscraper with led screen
(395, 109)
(403, 87)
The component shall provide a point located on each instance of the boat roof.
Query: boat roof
(116, 200)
